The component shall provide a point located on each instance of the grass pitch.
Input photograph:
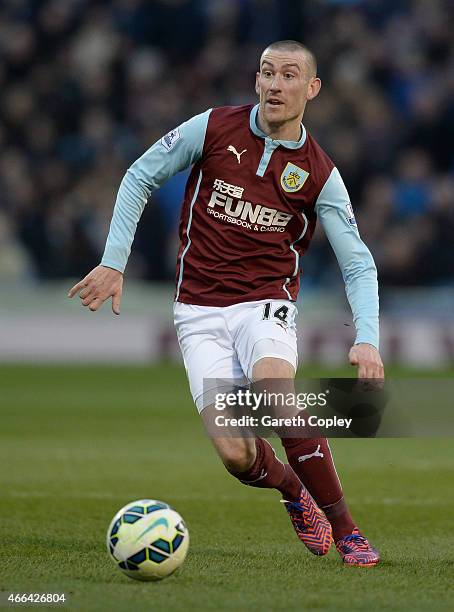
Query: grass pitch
(77, 443)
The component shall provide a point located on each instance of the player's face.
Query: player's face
(284, 85)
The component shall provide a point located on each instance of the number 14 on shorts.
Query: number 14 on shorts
(276, 311)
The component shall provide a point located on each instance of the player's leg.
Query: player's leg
(310, 458)
(310, 524)
(266, 337)
(267, 346)
(312, 461)
(253, 462)
(267, 329)
(212, 365)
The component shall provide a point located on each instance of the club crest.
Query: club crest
(293, 178)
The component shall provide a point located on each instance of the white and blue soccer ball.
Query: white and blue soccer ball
(147, 540)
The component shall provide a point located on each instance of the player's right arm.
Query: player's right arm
(176, 151)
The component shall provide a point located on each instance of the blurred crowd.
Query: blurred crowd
(86, 86)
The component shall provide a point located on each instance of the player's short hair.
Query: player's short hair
(294, 45)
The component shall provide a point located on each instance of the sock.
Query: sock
(268, 472)
(312, 462)
(340, 518)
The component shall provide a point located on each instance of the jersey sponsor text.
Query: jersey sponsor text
(256, 217)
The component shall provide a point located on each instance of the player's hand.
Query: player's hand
(98, 286)
(368, 360)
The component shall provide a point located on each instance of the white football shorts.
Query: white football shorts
(222, 344)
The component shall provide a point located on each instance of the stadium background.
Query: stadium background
(86, 87)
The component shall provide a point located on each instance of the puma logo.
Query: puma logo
(316, 453)
(235, 152)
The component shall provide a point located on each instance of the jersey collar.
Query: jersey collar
(289, 144)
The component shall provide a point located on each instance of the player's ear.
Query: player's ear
(257, 87)
(314, 87)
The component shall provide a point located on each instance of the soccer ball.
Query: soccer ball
(147, 540)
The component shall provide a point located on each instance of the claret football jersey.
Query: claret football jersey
(248, 214)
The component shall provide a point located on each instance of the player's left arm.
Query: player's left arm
(359, 272)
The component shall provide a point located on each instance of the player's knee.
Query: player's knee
(272, 367)
(237, 455)
(238, 460)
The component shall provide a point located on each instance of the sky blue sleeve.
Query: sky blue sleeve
(335, 213)
(177, 150)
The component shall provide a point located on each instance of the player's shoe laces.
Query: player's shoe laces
(311, 525)
(354, 549)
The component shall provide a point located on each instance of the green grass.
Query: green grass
(77, 443)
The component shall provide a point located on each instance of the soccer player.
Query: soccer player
(259, 182)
